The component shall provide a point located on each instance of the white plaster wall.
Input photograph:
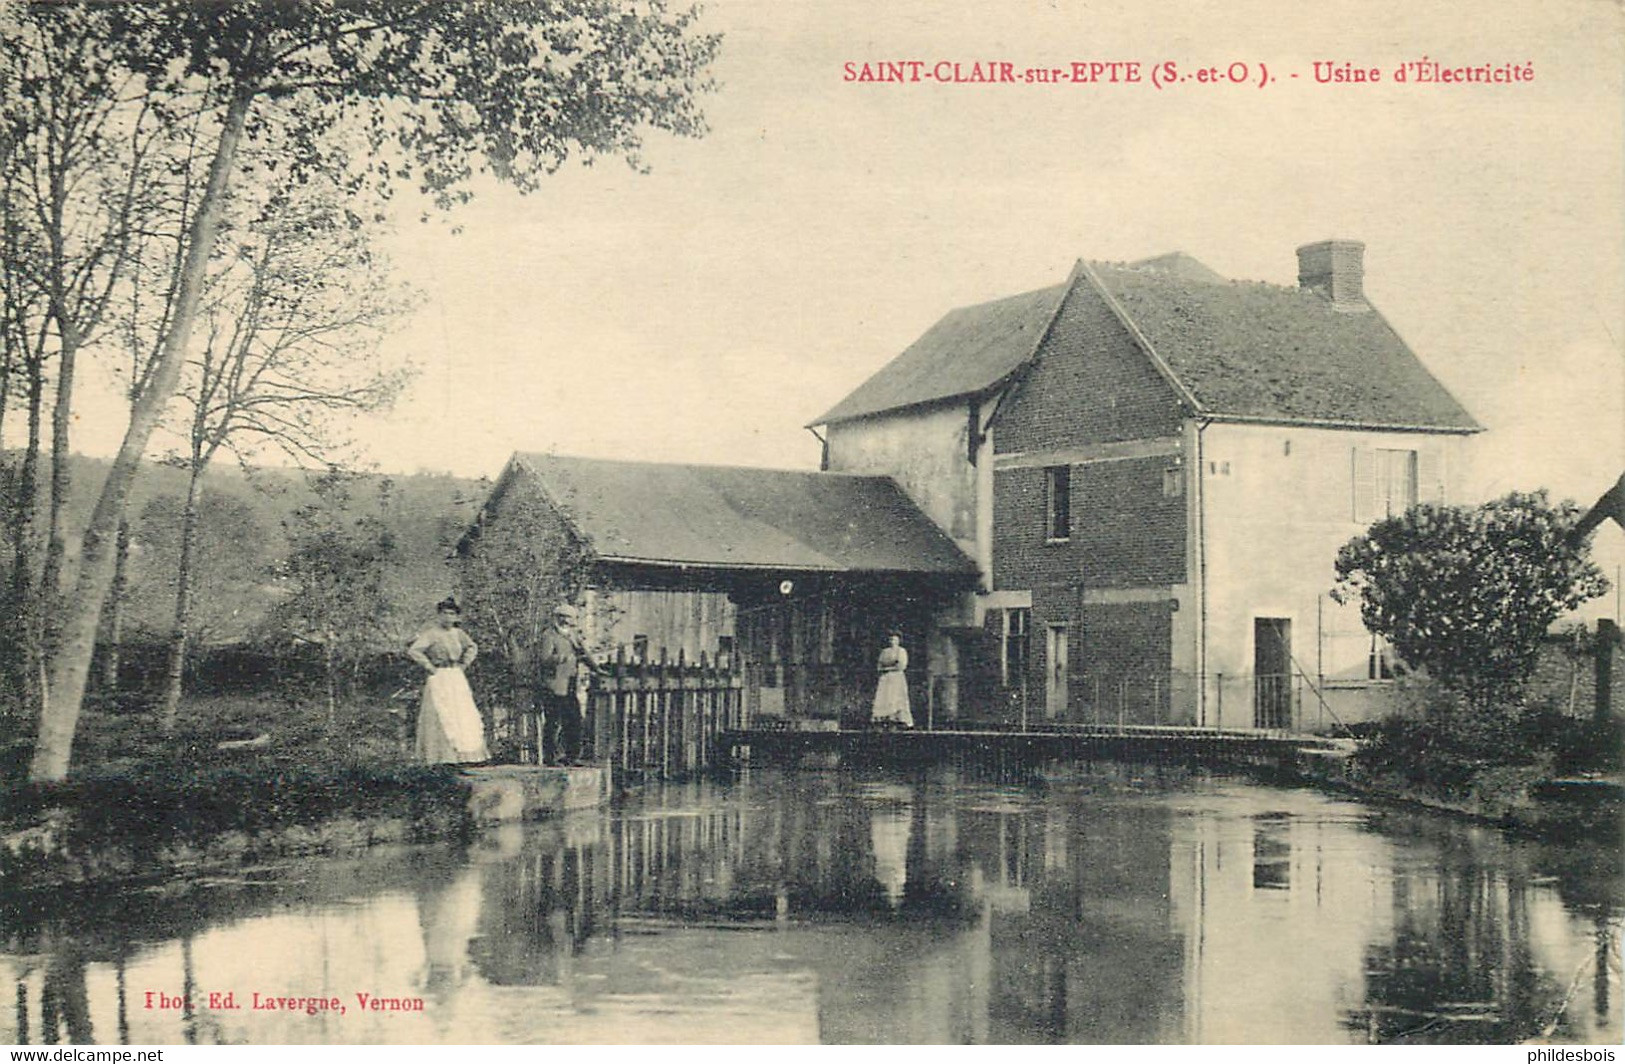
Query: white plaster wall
(926, 452)
(1277, 505)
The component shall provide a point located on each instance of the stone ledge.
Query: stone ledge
(502, 793)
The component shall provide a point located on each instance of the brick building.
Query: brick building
(1153, 468)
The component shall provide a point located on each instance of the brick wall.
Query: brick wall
(1125, 531)
(1091, 384)
(1566, 676)
(1120, 663)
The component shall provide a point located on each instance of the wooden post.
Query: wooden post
(662, 707)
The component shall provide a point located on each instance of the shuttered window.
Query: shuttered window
(1365, 485)
(1386, 480)
(1396, 481)
(1430, 476)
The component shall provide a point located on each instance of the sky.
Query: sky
(707, 310)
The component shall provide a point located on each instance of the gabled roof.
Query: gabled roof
(968, 351)
(1231, 349)
(728, 517)
(1276, 353)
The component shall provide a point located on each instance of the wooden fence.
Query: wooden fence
(662, 718)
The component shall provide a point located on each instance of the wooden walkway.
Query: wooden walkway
(1160, 743)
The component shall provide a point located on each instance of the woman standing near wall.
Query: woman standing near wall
(891, 694)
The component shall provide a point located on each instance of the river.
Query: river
(1109, 904)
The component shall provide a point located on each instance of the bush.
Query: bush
(1453, 744)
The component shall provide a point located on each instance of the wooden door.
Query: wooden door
(1056, 687)
(1272, 672)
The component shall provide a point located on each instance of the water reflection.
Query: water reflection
(1108, 906)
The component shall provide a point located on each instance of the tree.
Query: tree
(514, 568)
(78, 182)
(234, 555)
(292, 323)
(438, 91)
(338, 558)
(1468, 592)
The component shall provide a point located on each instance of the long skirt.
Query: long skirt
(449, 726)
(891, 699)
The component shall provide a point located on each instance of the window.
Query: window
(1173, 482)
(1382, 663)
(1013, 648)
(1384, 482)
(1058, 503)
(640, 648)
(1396, 481)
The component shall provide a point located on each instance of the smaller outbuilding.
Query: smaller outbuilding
(791, 578)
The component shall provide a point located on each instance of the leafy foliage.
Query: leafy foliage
(1450, 749)
(377, 91)
(440, 91)
(230, 562)
(1467, 593)
(520, 561)
(338, 558)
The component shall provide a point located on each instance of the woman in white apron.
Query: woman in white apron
(891, 694)
(449, 727)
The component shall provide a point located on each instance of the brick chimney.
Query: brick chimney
(1335, 269)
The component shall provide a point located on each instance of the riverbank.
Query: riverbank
(164, 820)
(119, 828)
(1527, 799)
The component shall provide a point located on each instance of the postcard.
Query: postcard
(813, 523)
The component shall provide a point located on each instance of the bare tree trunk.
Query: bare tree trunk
(70, 664)
(25, 604)
(113, 612)
(183, 600)
(50, 585)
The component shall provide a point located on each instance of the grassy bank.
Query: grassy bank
(1526, 766)
(238, 780)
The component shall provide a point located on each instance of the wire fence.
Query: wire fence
(1287, 702)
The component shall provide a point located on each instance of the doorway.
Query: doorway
(1057, 687)
(1272, 672)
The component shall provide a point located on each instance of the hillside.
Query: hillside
(243, 539)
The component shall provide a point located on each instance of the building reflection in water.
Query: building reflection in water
(1110, 906)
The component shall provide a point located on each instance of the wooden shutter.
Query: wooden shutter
(1365, 484)
(1430, 475)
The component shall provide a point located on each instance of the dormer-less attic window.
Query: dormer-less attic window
(1058, 503)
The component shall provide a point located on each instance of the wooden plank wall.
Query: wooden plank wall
(687, 622)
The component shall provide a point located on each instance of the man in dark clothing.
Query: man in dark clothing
(558, 655)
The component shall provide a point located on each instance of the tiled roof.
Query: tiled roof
(967, 352)
(1239, 349)
(1182, 266)
(728, 517)
(1267, 351)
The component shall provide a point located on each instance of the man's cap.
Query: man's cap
(564, 610)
